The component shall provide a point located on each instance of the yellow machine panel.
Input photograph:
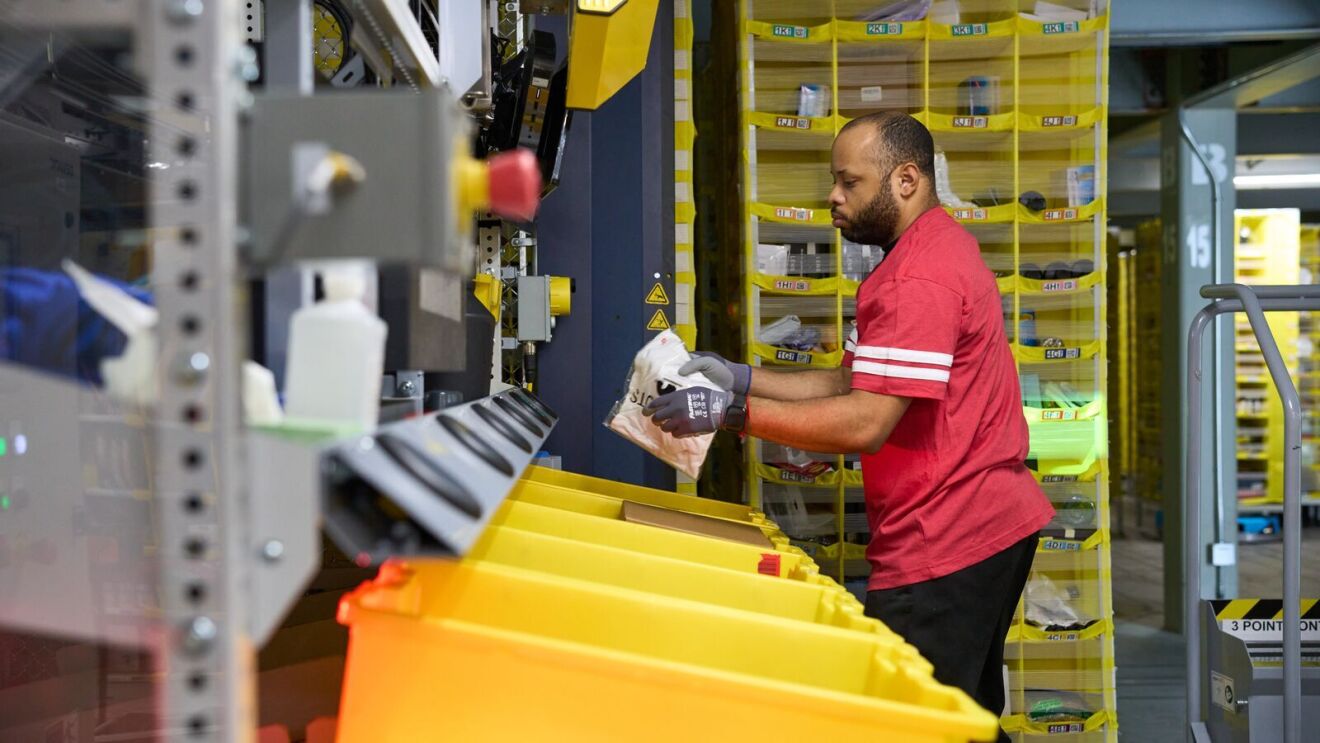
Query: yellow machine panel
(607, 48)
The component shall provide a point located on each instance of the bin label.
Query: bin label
(1060, 545)
(970, 29)
(1065, 27)
(1058, 415)
(1058, 478)
(785, 31)
(970, 122)
(788, 476)
(792, 122)
(797, 215)
(793, 285)
(975, 215)
(1065, 285)
(793, 357)
(1049, 121)
(1063, 353)
(1066, 727)
(1058, 215)
(884, 29)
(769, 564)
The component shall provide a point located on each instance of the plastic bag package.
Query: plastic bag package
(654, 373)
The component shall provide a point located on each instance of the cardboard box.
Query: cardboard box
(691, 523)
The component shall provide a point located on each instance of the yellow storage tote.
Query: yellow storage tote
(784, 561)
(648, 496)
(665, 576)
(477, 651)
(610, 507)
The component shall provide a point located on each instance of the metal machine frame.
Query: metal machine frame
(1255, 302)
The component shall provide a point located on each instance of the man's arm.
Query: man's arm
(776, 384)
(858, 421)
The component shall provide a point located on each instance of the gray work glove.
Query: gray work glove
(690, 412)
(726, 375)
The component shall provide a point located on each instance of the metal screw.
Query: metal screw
(191, 368)
(272, 550)
(408, 388)
(185, 11)
(200, 636)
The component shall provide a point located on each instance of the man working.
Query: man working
(929, 395)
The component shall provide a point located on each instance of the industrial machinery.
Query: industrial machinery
(209, 159)
(1253, 665)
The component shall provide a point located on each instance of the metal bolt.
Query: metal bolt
(272, 550)
(408, 388)
(185, 11)
(191, 368)
(200, 635)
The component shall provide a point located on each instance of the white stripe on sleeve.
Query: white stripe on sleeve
(883, 353)
(901, 372)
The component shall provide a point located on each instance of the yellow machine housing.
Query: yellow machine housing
(607, 47)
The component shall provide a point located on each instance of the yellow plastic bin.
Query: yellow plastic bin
(610, 507)
(649, 496)
(666, 576)
(478, 651)
(784, 561)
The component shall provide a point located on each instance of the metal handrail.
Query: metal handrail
(1255, 302)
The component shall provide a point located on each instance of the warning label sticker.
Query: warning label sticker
(657, 295)
(1221, 691)
(658, 321)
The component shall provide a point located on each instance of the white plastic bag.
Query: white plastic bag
(654, 373)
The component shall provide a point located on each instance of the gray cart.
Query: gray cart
(1235, 690)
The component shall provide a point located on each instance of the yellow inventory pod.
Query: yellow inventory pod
(467, 651)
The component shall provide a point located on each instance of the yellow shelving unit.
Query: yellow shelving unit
(1308, 353)
(1267, 252)
(1147, 364)
(1017, 106)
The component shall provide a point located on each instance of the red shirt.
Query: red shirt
(950, 487)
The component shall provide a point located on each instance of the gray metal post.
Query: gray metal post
(1255, 301)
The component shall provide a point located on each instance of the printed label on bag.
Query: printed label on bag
(790, 285)
(884, 29)
(785, 31)
(1055, 215)
(1059, 286)
(797, 215)
(970, 29)
(1048, 121)
(769, 564)
(970, 122)
(1066, 27)
(974, 215)
(792, 122)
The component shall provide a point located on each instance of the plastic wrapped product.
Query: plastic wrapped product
(654, 373)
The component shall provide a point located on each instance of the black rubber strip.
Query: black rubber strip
(430, 473)
(505, 428)
(475, 444)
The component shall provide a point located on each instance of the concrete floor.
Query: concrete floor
(1151, 692)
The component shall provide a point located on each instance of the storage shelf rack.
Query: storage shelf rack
(1035, 123)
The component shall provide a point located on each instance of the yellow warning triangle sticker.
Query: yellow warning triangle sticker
(657, 295)
(658, 321)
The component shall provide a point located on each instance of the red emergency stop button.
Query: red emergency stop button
(515, 184)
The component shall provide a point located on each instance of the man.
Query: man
(928, 393)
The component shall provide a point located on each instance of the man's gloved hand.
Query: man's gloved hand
(690, 412)
(727, 375)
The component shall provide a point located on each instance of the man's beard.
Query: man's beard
(877, 222)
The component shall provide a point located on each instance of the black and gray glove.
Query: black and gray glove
(727, 375)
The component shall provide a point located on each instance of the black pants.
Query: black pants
(958, 622)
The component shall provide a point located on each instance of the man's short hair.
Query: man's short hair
(902, 139)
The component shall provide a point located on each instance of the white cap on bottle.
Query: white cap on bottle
(342, 286)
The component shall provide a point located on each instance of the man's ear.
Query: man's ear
(909, 179)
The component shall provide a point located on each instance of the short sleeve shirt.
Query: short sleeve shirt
(950, 487)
